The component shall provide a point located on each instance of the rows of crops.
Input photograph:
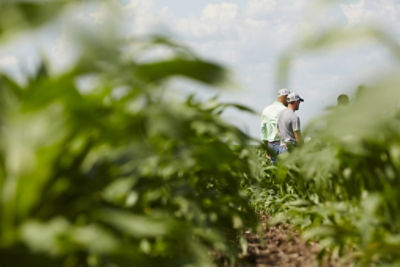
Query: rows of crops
(103, 165)
(342, 187)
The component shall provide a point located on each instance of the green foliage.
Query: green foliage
(122, 173)
(342, 187)
(25, 14)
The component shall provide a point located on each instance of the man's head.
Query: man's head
(294, 100)
(342, 100)
(282, 96)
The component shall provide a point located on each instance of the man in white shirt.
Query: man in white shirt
(269, 122)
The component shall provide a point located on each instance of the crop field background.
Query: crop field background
(124, 172)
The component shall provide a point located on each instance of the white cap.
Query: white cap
(283, 92)
(294, 97)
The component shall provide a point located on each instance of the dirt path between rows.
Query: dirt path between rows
(280, 246)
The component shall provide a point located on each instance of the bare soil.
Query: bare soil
(281, 245)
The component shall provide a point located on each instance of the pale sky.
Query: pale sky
(246, 36)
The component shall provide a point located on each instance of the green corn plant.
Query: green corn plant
(123, 173)
(341, 187)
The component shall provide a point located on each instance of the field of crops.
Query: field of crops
(103, 165)
(342, 186)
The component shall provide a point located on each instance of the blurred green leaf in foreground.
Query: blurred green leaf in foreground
(118, 174)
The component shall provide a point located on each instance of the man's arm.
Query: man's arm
(279, 132)
(263, 129)
(296, 130)
(297, 135)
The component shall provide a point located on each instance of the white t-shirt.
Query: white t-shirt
(269, 122)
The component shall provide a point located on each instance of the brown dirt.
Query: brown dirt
(280, 246)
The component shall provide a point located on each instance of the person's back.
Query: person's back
(269, 122)
(289, 123)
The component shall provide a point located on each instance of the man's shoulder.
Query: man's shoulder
(284, 111)
(288, 114)
(269, 107)
(293, 116)
(274, 106)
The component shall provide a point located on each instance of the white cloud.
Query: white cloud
(224, 12)
(260, 8)
(216, 21)
(18, 65)
(261, 24)
(8, 62)
(143, 17)
(357, 13)
(391, 9)
(371, 12)
(10, 65)
(63, 53)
